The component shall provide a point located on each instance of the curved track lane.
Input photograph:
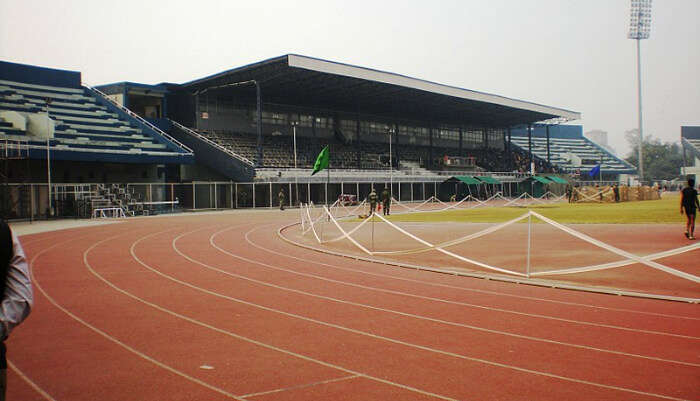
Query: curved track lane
(217, 307)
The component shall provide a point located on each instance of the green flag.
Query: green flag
(321, 161)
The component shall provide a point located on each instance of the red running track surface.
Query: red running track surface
(216, 306)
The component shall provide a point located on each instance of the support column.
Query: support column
(358, 152)
(430, 147)
(548, 156)
(506, 152)
(510, 148)
(258, 96)
(396, 155)
(529, 146)
(461, 141)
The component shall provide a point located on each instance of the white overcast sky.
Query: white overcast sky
(572, 54)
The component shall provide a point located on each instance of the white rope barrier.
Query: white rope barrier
(458, 240)
(629, 257)
(619, 263)
(618, 251)
(308, 224)
(446, 252)
(346, 235)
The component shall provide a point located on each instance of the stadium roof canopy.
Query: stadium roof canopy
(321, 84)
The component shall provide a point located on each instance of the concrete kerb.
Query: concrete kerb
(490, 276)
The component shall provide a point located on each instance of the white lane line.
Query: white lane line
(231, 334)
(405, 314)
(378, 337)
(21, 374)
(29, 381)
(279, 390)
(464, 288)
(112, 339)
(211, 241)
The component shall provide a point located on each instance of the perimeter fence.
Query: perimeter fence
(78, 200)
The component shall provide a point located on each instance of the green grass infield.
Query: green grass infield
(666, 210)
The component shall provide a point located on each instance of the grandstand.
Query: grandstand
(565, 147)
(690, 139)
(354, 110)
(265, 123)
(39, 105)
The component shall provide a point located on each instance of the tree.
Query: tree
(662, 161)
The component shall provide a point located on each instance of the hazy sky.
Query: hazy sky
(572, 54)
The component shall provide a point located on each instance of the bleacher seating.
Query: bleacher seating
(81, 122)
(694, 145)
(561, 150)
(278, 154)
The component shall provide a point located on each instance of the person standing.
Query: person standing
(372, 202)
(689, 204)
(15, 290)
(386, 201)
(282, 198)
(616, 192)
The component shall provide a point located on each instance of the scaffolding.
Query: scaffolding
(14, 199)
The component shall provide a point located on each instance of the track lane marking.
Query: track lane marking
(652, 332)
(405, 314)
(114, 340)
(279, 390)
(234, 335)
(464, 288)
(29, 381)
(387, 339)
(35, 282)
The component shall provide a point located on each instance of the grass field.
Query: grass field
(666, 210)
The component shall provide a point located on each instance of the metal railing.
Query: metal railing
(14, 149)
(212, 143)
(142, 121)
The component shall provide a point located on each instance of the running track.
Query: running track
(216, 306)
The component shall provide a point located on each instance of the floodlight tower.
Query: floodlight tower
(640, 25)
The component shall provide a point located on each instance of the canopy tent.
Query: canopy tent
(557, 180)
(481, 184)
(488, 179)
(542, 180)
(467, 179)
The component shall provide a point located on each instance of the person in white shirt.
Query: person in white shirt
(15, 293)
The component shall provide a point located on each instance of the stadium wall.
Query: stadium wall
(39, 75)
(555, 131)
(690, 132)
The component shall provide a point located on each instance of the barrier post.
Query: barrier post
(371, 216)
(529, 237)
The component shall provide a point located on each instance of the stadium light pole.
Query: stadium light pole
(296, 173)
(640, 26)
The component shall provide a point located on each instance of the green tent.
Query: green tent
(467, 179)
(543, 180)
(488, 180)
(558, 180)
